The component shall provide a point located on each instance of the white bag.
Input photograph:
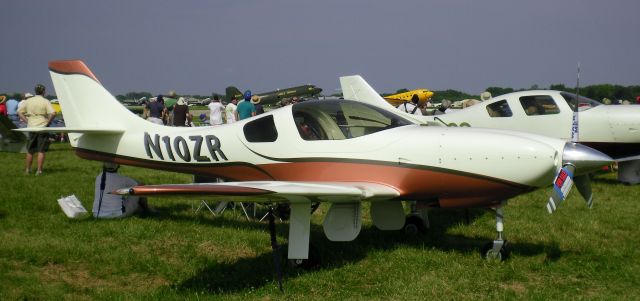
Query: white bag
(72, 206)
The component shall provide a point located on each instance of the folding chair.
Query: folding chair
(221, 206)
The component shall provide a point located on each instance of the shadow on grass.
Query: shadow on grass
(250, 273)
(607, 181)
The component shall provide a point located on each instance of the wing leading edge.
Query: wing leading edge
(270, 191)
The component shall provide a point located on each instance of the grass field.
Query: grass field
(177, 254)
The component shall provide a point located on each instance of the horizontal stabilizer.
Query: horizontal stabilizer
(71, 130)
(270, 191)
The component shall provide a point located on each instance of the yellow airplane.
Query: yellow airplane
(400, 98)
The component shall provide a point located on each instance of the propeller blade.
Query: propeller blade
(561, 187)
(583, 184)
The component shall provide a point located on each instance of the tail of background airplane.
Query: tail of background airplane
(232, 91)
(87, 106)
(354, 87)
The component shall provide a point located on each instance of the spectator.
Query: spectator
(444, 107)
(411, 107)
(246, 108)
(215, 111)
(181, 116)
(106, 205)
(25, 96)
(255, 99)
(12, 111)
(168, 103)
(37, 112)
(231, 110)
(3, 105)
(156, 110)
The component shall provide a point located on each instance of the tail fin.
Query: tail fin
(83, 99)
(233, 92)
(354, 87)
(87, 106)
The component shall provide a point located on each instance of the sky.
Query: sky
(201, 47)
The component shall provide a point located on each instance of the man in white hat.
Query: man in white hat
(181, 115)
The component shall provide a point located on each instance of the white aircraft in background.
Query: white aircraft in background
(611, 129)
(336, 151)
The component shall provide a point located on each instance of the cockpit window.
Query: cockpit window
(261, 130)
(499, 109)
(341, 119)
(539, 105)
(583, 102)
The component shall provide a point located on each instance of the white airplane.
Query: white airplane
(613, 130)
(337, 151)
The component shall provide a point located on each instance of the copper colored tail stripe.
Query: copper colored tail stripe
(72, 67)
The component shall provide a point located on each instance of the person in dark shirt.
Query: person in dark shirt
(156, 110)
(180, 113)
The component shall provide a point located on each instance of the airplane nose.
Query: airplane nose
(584, 158)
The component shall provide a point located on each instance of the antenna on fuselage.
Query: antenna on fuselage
(574, 126)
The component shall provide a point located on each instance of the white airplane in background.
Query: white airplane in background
(611, 129)
(336, 151)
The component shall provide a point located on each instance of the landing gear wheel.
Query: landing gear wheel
(312, 262)
(487, 252)
(414, 225)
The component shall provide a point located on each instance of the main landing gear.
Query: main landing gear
(311, 262)
(498, 250)
(417, 222)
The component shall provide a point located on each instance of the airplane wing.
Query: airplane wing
(270, 191)
(71, 130)
(629, 158)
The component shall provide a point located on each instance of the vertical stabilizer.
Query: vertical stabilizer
(354, 87)
(232, 91)
(86, 105)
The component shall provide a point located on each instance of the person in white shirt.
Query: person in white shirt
(231, 111)
(106, 205)
(215, 111)
(411, 107)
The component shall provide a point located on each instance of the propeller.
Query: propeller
(577, 162)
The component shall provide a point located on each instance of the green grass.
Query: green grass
(176, 254)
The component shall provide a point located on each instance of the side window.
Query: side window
(499, 109)
(261, 130)
(539, 105)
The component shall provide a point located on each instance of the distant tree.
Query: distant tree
(452, 95)
(402, 90)
(558, 87)
(497, 91)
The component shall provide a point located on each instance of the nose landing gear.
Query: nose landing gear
(498, 250)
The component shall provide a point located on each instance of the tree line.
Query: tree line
(595, 92)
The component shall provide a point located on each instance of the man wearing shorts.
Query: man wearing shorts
(37, 112)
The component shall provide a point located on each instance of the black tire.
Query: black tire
(487, 252)
(310, 263)
(414, 225)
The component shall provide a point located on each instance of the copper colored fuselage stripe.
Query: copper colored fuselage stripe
(451, 189)
(72, 67)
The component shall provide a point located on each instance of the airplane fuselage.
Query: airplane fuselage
(611, 129)
(423, 163)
